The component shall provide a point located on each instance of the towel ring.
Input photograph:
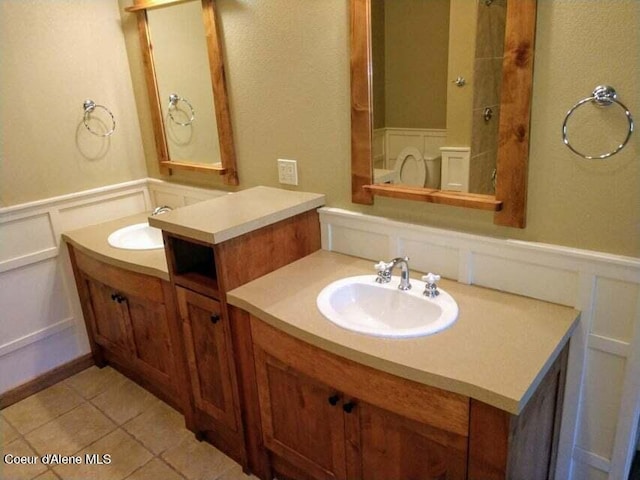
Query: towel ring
(89, 106)
(174, 99)
(602, 96)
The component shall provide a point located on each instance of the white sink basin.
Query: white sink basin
(140, 236)
(362, 305)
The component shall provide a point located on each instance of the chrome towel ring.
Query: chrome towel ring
(174, 99)
(89, 106)
(602, 96)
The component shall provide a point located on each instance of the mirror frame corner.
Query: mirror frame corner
(509, 202)
(227, 167)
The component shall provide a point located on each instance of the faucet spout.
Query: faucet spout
(405, 284)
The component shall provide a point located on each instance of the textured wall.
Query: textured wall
(288, 72)
(54, 55)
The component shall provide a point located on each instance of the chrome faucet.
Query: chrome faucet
(159, 210)
(384, 270)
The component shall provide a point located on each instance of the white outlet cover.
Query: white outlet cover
(287, 171)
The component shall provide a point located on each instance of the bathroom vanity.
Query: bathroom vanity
(227, 330)
(479, 400)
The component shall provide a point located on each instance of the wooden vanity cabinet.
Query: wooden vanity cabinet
(217, 348)
(131, 324)
(325, 417)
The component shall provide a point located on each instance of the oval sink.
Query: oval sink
(140, 236)
(362, 305)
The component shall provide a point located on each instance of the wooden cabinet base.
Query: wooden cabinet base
(132, 325)
(323, 417)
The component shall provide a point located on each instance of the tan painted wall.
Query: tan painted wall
(416, 59)
(288, 72)
(54, 55)
(288, 69)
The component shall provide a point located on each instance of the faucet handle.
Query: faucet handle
(384, 271)
(431, 285)
(381, 266)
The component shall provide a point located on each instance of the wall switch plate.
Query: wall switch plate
(287, 172)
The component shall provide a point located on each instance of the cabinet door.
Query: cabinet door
(150, 336)
(110, 325)
(208, 348)
(302, 419)
(392, 446)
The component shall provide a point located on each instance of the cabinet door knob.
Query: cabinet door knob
(120, 298)
(215, 318)
(114, 296)
(349, 406)
(334, 399)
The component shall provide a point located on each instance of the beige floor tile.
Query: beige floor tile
(198, 460)
(48, 475)
(159, 428)
(236, 473)
(72, 431)
(93, 381)
(42, 407)
(155, 470)
(126, 455)
(7, 433)
(124, 401)
(11, 471)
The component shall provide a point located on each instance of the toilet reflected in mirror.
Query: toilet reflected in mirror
(413, 169)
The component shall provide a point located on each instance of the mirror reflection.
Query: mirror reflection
(436, 71)
(184, 86)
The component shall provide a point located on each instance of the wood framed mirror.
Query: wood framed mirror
(512, 139)
(184, 72)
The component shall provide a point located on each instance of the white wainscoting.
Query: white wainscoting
(389, 142)
(602, 397)
(41, 324)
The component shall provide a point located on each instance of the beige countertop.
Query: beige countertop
(223, 218)
(497, 351)
(92, 240)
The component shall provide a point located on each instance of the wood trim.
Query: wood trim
(468, 200)
(228, 168)
(513, 147)
(193, 167)
(220, 97)
(515, 112)
(162, 150)
(361, 102)
(46, 380)
(149, 4)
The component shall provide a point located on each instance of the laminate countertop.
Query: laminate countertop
(92, 240)
(497, 351)
(223, 218)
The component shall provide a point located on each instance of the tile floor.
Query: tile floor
(99, 411)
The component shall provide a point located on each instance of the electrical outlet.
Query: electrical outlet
(287, 172)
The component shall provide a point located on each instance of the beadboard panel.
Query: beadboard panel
(602, 394)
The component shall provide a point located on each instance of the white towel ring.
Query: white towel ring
(174, 99)
(89, 106)
(602, 96)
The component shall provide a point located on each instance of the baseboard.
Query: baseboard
(45, 380)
